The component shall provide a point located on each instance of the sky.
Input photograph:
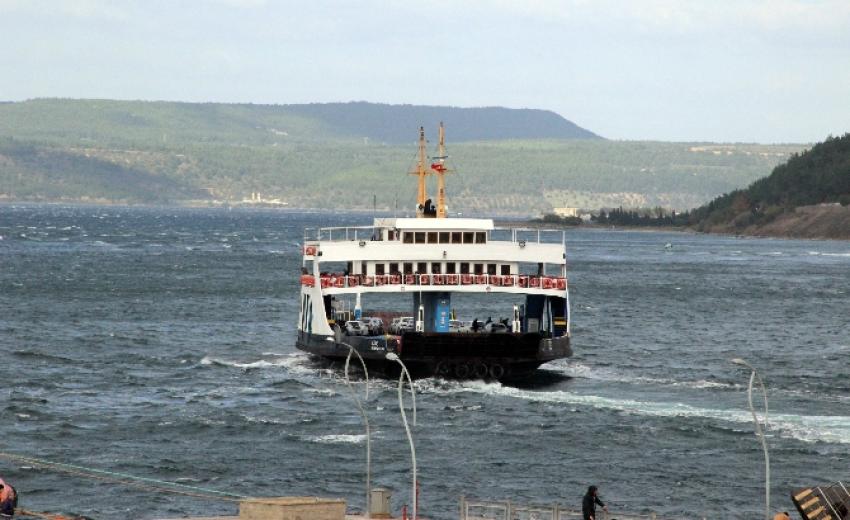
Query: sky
(723, 71)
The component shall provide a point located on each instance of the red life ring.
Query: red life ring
(466, 279)
(395, 278)
(424, 279)
(409, 279)
(523, 281)
(325, 281)
(438, 279)
(534, 281)
(481, 279)
(508, 281)
(339, 281)
(309, 250)
(562, 283)
(451, 279)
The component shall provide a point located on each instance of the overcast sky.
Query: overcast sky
(771, 71)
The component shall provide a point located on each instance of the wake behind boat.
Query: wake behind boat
(431, 258)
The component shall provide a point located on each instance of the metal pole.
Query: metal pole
(393, 357)
(759, 432)
(351, 350)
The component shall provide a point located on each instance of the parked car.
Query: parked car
(495, 327)
(375, 325)
(356, 328)
(401, 324)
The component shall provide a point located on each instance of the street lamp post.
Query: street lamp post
(357, 402)
(393, 357)
(759, 432)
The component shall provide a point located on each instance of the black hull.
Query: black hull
(456, 355)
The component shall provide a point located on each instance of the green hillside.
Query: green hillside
(817, 176)
(179, 153)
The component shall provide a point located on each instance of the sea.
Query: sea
(144, 348)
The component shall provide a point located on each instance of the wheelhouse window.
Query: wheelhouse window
(444, 237)
(419, 237)
(436, 268)
(408, 237)
(456, 237)
(450, 267)
(491, 269)
(379, 269)
(506, 270)
(408, 268)
(479, 268)
(432, 237)
(464, 268)
(422, 267)
(394, 268)
(480, 237)
(468, 237)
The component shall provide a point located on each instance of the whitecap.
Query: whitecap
(338, 439)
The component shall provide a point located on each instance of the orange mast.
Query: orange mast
(440, 169)
(421, 195)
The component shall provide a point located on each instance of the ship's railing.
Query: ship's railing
(523, 281)
(506, 510)
(521, 235)
(343, 233)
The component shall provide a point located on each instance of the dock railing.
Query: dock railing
(471, 509)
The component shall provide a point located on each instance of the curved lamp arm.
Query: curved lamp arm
(394, 357)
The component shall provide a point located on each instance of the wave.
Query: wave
(806, 428)
(337, 439)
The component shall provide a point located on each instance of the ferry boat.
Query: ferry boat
(425, 261)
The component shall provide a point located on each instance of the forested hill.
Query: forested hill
(160, 121)
(392, 123)
(319, 156)
(819, 176)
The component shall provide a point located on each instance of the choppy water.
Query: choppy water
(159, 343)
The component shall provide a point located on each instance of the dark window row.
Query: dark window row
(444, 237)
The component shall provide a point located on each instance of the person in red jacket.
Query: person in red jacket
(8, 500)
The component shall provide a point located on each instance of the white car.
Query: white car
(374, 325)
(401, 324)
(356, 328)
